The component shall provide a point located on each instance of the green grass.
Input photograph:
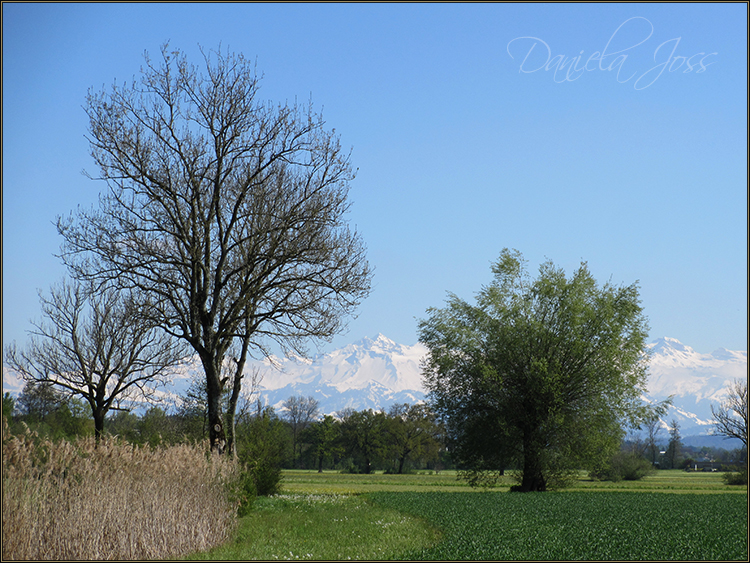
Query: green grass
(301, 481)
(672, 481)
(578, 525)
(333, 516)
(323, 527)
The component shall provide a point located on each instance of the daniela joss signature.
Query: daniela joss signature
(568, 69)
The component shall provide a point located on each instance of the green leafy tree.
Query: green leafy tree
(38, 400)
(324, 440)
(9, 405)
(541, 372)
(363, 436)
(263, 444)
(412, 433)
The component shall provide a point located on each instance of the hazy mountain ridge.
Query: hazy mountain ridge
(378, 372)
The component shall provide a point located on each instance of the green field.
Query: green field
(674, 481)
(333, 516)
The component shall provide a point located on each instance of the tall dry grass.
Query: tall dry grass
(74, 501)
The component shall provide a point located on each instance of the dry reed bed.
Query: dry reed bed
(76, 501)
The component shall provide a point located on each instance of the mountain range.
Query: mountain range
(378, 372)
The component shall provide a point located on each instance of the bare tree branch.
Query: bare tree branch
(731, 416)
(96, 345)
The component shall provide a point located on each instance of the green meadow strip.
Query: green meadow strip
(323, 527)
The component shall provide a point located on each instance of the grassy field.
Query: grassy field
(332, 516)
(672, 481)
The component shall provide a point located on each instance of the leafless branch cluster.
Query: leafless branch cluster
(731, 417)
(228, 212)
(95, 345)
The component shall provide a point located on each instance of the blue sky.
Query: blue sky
(466, 139)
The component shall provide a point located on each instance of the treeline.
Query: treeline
(398, 440)
(401, 439)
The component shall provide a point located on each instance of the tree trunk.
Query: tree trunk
(98, 415)
(533, 477)
(232, 408)
(216, 435)
(234, 398)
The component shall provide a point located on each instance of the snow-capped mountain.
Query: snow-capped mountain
(377, 373)
(696, 381)
(371, 373)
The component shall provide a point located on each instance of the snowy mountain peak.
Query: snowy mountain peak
(379, 343)
(667, 346)
(725, 355)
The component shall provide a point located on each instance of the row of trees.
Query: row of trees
(403, 438)
(398, 440)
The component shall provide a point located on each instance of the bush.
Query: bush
(739, 478)
(267, 478)
(262, 443)
(244, 493)
(349, 467)
(627, 466)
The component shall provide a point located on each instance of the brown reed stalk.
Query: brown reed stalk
(65, 500)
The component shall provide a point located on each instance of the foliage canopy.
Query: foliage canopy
(539, 373)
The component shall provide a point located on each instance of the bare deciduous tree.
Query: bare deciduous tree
(95, 345)
(227, 211)
(731, 416)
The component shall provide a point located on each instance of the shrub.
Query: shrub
(739, 478)
(261, 448)
(72, 500)
(624, 465)
(267, 477)
(244, 493)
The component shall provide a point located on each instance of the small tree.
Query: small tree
(9, 405)
(323, 437)
(653, 426)
(675, 443)
(731, 421)
(39, 399)
(363, 436)
(263, 443)
(412, 433)
(97, 345)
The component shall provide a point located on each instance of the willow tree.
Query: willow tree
(540, 373)
(228, 212)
